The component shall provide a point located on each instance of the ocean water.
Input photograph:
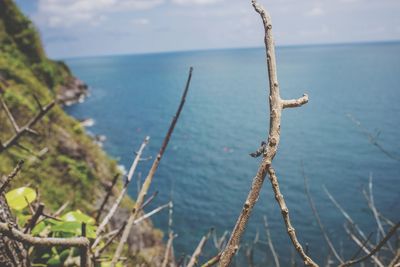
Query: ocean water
(207, 167)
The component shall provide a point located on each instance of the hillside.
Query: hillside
(62, 162)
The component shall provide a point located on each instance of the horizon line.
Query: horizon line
(234, 48)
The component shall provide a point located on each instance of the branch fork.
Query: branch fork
(268, 149)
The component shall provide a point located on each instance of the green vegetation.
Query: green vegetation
(62, 162)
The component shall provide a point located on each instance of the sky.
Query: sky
(76, 28)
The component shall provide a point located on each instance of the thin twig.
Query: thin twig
(146, 185)
(171, 235)
(346, 216)
(11, 176)
(196, 254)
(107, 196)
(318, 219)
(121, 195)
(61, 209)
(270, 244)
(110, 240)
(276, 105)
(372, 139)
(126, 231)
(371, 253)
(371, 204)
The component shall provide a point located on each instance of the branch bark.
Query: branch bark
(276, 104)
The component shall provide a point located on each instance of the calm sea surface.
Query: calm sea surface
(207, 165)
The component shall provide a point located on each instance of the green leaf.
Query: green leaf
(74, 228)
(78, 216)
(19, 198)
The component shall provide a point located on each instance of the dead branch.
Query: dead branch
(11, 176)
(146, 184)
(171, 236)
(27, 128)
(211, 262)
(107, 196)
(370, 254)
(318, 219)
(121, 195)
(347, 217)
(270, 244)
(362, 245)
(196, 254)
(276, 105)
(371, 204)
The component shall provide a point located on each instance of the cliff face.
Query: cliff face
(62, 162)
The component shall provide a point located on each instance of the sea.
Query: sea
(346, 135)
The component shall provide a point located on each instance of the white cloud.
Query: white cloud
(141, 21)
(315, 12)
(195, 2)
(67, 13)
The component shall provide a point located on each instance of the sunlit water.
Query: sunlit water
(207, 165)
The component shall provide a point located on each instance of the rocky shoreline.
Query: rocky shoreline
(73, 91)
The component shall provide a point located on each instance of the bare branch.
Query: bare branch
(370, 254)
(146, 185)
(11, 176)
(346, 216)
(27, 239)
(19, 131)
(107, 196)
(199, 249)
(121, 195)
(371, 205)
(126, 231)
(318, 219)
(270, 244)
(110, 240)
(10, 116)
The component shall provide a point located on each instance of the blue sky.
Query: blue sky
(72, 28)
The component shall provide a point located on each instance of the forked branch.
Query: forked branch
(269, 149)
(27, 128)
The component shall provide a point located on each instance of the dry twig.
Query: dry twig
(270, 244)
(146, 184)
(384, 240)
(196, 254)
(121, 195)
(318, 219)
(107, 196)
